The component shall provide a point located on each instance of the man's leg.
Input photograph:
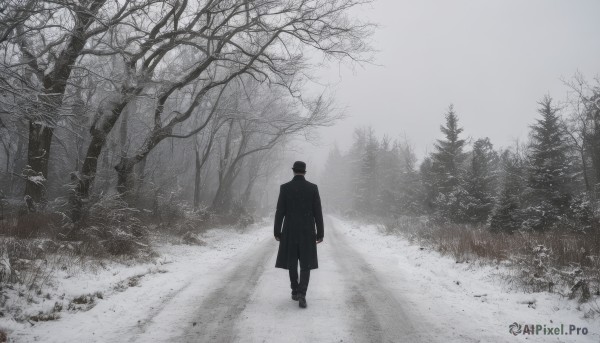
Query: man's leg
(294, 278)
(303, 285)
(304, 277)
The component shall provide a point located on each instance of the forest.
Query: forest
(145, 110)
(535, 203)
(137, 132)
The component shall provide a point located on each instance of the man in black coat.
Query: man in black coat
(299, 209)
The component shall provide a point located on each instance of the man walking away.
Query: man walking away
(299, 210)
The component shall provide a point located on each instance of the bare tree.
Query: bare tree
(272, 121)
(584, 129)
(158, 70)
(42, 43)
(264, 39)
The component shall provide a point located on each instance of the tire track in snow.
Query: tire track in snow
(155, 311)
(379, 316)
(217, 314)
(370, 312)
(146, 326)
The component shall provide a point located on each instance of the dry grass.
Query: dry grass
(564, 262)
(38, 244)
(37, 247)
(31, 225)
(34, 262)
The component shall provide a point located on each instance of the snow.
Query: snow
(124, 313)
(230, 288)
(462, 300)
(37, 179)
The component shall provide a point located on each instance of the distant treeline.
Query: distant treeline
(551, 181)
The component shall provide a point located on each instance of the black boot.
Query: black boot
(302, 301)
(295, 296)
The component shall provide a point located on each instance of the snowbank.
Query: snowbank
(130, 295)
(464, 301)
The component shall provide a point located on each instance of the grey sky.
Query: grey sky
(492, 59)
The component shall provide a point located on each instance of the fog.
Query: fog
(451, 190)
(492, 59)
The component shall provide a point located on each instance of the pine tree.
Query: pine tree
(505, 216)
(447, 170)
(550, 182)
(355, 156)
(410, 191)
(428, 185)
(366, 183)
(335, 181)
(481, 181)
(447, 159)
(388, 180)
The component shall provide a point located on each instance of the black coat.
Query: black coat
(299, 209)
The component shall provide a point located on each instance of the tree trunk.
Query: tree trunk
(5, 180)
(198, 179)
(99, 132)
(20, 159)
(586, 181)
(8, 156)
(201, 158)
(90, 164)
(99, 135)
(222, 200)
(40, 140)
(248, 191)
(125, 177)
(55, 84)
(140, 178)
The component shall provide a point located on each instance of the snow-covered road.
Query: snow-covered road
(251, 303)
(368, 288)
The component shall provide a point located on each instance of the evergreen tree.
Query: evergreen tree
(428, 185)
(447, 170)
(388, 180)
(551, 175)
(481, 181)
(335, 182)
(354, 158)
(410, 190)
(366, 189)
(448, 157)
(505, 216)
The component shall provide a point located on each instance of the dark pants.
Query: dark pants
(299, 287)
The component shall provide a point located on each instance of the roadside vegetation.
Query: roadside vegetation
(534, 206)
(127, 123)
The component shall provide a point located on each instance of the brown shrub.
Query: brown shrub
(544, 260)
(110, 225)
(31, 225)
